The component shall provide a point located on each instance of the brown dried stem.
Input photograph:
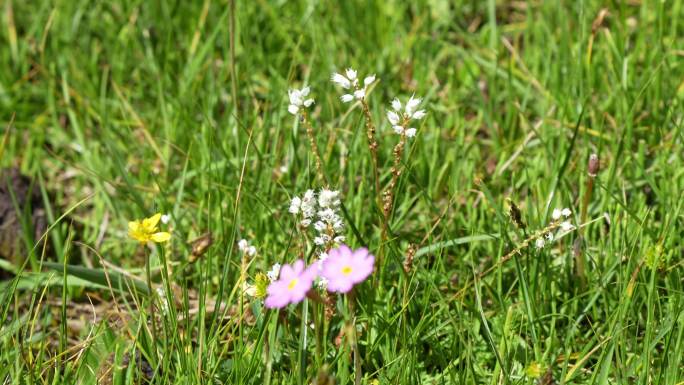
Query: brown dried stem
(314, 146)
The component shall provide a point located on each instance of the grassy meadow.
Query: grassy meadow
(113, 111)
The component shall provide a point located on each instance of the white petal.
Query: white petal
(359, 94)
(351, 74)
(308, 102)
(539, 243)
(251, 251)
(567, 226)
(566, 212)
(411, 132)
(346, 98)
(411, 105)
(293, 109)
(398, 129)
(556, 214)
(295, 97)
(304, 91)
(165, 218)
(420, 114)
(393, 117)
(368, 80)
(340, 80)
(295, 204)
(396, 105)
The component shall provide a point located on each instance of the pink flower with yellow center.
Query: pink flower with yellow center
(291, 287)
(345, 268)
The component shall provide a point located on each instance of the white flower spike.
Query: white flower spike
(350, 80)
(400, 118)
(298, 101)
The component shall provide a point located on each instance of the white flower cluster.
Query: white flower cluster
(324, 210)
(565, 226)
(298, 99)
(246, 248)
(401, 118)
(350, 81)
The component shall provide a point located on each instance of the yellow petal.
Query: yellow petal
(161, 237)
(151, 222)
(133, 226)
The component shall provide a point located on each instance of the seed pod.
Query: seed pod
(594, 165)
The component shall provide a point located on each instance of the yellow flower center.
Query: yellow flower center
(346, 270)
(292, 284)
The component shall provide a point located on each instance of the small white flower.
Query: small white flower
(328, 198)
(539, 243)
(338, 225)
(393, 117)
(410, 132)
(351, 74)
(398, 129)
(566, 212)
(369, 80)
(567, 226)
(320, 226)
(396, 105)
(295, 205)
(411, 105)
(297, 99)
(556, 214)
(340, 80)
(246, 248)
(339, 239)
(274, 272)
(420, 114)
(305, 222)
(165, 219)
(295, 96)
(360, 94)
(549, 237)
(346, 98)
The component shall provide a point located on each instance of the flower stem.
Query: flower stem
(314, 146)
(353, 339)
(372, 146)
(151, 303)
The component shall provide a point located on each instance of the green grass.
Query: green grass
(121, 109)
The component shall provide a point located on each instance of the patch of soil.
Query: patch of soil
(18, 195)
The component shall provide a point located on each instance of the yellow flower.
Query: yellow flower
(146, 230)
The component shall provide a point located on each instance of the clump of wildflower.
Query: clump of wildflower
(350, 81)
(146, 230)
(345, 268)
(246, 248)
(298, 100)
(559, 220)
(294, 282)
(324, 210)
(400, 118)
